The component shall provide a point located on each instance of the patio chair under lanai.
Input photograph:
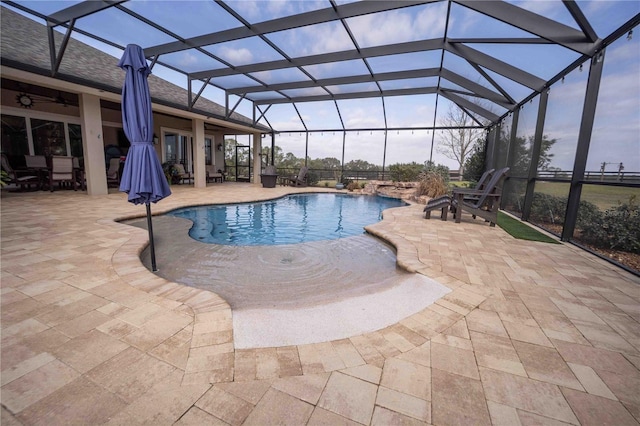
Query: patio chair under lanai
(298, 180)
(444, 202)
(484, 203)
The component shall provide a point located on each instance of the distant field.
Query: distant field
(602, 196)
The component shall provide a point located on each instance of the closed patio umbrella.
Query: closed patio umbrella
(142, 178)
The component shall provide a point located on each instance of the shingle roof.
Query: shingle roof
(24, 45)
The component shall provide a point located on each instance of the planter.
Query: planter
(339, 186)
(268, 181)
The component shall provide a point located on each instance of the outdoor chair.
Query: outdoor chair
(484, 202)
(79, 172)
(445, 201)
(35, 162)
(298, 180)
(442, 203)
(182, 173)
(113, 174)
(17, 177)
(213, 175)
(62, 172)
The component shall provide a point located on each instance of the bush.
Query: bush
(405, 172)
(616, 228)
(346, 182)
(547, 208)
(312, 178)
(4, 178)
(351, 186)
(431, 184)
(440, 170)
(170, 172)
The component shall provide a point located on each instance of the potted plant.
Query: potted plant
(344, 183)
(269, 176)
(171, 172)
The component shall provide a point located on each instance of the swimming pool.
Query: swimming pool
(294, 294)
(292, 219)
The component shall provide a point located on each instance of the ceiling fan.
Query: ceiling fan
(27, 100)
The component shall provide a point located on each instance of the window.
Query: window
(208, 158)
(75, 140)
(14, 136)
(48, 137)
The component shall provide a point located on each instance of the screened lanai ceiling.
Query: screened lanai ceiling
(344, 58)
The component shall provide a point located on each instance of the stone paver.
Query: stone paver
(531, 333)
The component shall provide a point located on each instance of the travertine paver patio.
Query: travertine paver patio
(532, 333)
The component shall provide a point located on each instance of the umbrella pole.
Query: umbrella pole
(152, 247)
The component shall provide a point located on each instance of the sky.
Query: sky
(617, 124)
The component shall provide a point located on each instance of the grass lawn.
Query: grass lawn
(602, 196)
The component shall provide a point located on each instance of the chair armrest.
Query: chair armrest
(466, 191)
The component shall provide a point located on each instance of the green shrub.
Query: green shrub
(405, 172)
(346, 182)
(312, 178)
(4, 178)
(547, 208)
(170, 172)
(616, 228)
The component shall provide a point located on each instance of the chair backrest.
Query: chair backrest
(5, 164)
(35, 161)
(484, 178)
(114, 166)
(493, 186)
(61, 165)
(210, 168)
(76, 163)
(303, 174)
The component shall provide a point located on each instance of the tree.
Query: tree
(522, 154)
(474, 166)
(406, 172)
(278, 155)
(458, 139)
(360, 165)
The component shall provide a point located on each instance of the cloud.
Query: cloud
(236, 56)
(323, 38)
(187, 59)
(396, 26)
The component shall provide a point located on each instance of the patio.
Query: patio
(531, 333)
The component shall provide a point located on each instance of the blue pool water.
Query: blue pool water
(289, 220)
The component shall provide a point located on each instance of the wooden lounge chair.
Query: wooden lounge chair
(18, 177)
(445, 200)
(484, 202)
(443, 203)
(298, 180)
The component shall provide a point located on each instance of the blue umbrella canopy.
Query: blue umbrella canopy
(142, 178)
